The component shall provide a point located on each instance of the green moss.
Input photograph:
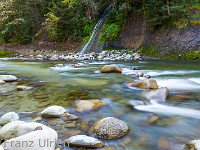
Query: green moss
(191, 55)
(155, 51)
(6, 52)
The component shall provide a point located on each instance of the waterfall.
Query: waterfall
(96, 27)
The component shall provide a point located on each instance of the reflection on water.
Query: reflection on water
(177, 120)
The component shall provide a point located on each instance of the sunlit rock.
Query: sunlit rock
(111, 69)
(87, 105)
(145, 84)
(192, 145)
(9, 117)
(23, 88)
(53, 111)
(83, 141)
(8, 78)
(110, 128)
(10, 130)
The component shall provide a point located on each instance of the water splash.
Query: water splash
(169, 110)
(96, 27)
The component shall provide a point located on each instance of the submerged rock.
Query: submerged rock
(53, 111)
(110, 128)
(8, 78)
(87, 105)
(156, 95)
(111, 69)
(23, 88)
(83, 141)
(9, 117)
(192, 145)
(145, 84)
(10, 130)
(69, 117)
(139, 74)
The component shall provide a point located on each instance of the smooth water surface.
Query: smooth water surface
(178, 119)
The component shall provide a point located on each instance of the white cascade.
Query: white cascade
(96, 28)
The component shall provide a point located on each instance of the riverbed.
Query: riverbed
(178, 120)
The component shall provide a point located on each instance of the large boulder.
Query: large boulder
(87, 105)
(192, 145)
(9, 117)
(145, 84)
(111, 69)
(83, 141)
(8, 78)
(156, 95)
(110, 128)
(32, 126)
(53, 111)
(35, 140)
(10, 130)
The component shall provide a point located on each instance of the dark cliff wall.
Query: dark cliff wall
(136, 33)
(132, 35)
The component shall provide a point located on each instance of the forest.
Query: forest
(22, 21)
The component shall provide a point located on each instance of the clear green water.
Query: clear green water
(65, 85)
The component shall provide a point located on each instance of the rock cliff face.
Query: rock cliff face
(136, 33)
(132, 35)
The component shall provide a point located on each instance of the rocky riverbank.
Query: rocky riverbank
(55, 127)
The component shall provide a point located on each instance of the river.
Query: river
(178, 120)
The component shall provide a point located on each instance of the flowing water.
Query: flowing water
(96, 28)
(178, 119)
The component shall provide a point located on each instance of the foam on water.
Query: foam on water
(168, 72)
(197, 80)
(64, 68)
(169, 110)
(180, 84)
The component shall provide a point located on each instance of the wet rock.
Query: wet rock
(53, 111)
(9, 117)
(69, 117)
(2, 82)
(52, 122)
(111, 69)
(147, 76)
(41, 105)
(70, 124)
(84, 124)
(156, 95)
(134, 68)
(41, 97)
(163, 143)
(179, 97)
(151, 120)
(110, 128)
(40, 139)
(69, 133)
(36, 119)
(192, 145)
(83, 141)
(10, 130)
(8, 78)
(87, 105)
(145, 84)
(139, 74)
(40, 83)
(32, 126)
(23, 88)
(108, 148)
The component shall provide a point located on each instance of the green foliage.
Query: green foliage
(6, 52)
(191, 55)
